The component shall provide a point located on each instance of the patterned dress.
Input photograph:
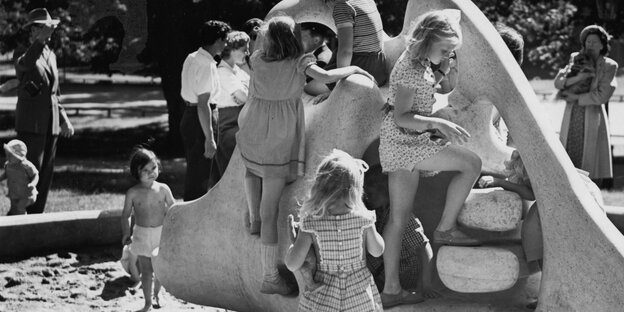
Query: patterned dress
(402, 148)
(341, 268)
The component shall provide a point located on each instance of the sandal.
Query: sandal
(454, 237)
(403, 297)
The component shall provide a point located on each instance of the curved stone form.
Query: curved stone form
(304, 11)
(491, 209)
(206, 257)
(477, 269)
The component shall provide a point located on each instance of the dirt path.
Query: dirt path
(85, 280)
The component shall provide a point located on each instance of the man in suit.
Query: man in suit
(39, 118)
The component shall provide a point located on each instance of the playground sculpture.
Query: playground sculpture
(207, 257)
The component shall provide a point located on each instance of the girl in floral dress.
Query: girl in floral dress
(335, 222)
(271, 136)
(412, 142)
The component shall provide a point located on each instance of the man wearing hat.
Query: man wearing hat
(39, 118)
(21, 175)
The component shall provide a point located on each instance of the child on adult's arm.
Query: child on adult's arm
(21, 176)
(148, 201)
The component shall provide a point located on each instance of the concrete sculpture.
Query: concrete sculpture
(207, 257)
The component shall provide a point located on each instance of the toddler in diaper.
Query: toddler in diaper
(147, 202)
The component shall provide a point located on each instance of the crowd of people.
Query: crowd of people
(247, 93)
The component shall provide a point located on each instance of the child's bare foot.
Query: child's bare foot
(147, 307)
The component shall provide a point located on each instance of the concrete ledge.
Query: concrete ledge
(491, 209)
(27, 235)
(480, 269)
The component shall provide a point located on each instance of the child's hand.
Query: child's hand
(486, 181)
(126, 239)
(452, 131)
(210, 148)
(292, 231)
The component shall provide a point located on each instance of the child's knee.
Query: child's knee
(473, 163)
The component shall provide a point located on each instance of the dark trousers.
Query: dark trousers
(228, 126)
(196, 180)
(41, 152)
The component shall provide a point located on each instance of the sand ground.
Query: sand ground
(86, 280)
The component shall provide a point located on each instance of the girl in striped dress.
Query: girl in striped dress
(335, 222)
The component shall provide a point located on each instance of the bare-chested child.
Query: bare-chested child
(148, 202)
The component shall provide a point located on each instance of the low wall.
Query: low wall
(28, 235)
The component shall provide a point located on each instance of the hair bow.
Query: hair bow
(453, 15)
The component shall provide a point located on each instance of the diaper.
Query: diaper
(145, 241)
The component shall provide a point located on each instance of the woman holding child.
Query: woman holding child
(585, 128)
(414, 143)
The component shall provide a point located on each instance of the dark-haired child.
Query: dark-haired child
(148, 202)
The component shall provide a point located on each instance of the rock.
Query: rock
(83, 271)
(47, 272)
(45, 281)
(74, 294)
(55, 262)
(478, 269)
(491, 209)
(13, 280)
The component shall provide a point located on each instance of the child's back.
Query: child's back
(278, 80)
(339, 243)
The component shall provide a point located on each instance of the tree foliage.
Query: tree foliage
(71, 42)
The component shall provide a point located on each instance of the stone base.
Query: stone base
(480, 269)
(491, 209)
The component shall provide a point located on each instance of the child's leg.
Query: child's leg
(146, 281)
(253, 191)
(402, 186)
(18, 206)
(454, 158)
(269, 208)
(426, 269)
(157, 286)
(307, 271)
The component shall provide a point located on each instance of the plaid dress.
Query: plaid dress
(341, 268)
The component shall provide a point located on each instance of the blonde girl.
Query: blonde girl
(271, 136)
(335, 222)
(409, 148)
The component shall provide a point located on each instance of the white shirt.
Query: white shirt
(232, 79)
(199, 76)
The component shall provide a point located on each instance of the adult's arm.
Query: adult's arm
(205, 120)
(605, 87)
(27, 60)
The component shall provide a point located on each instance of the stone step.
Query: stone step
(491, 209)
(481, 269)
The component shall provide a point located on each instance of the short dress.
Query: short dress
(271, 136)
(401, 148)
(347, 283)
